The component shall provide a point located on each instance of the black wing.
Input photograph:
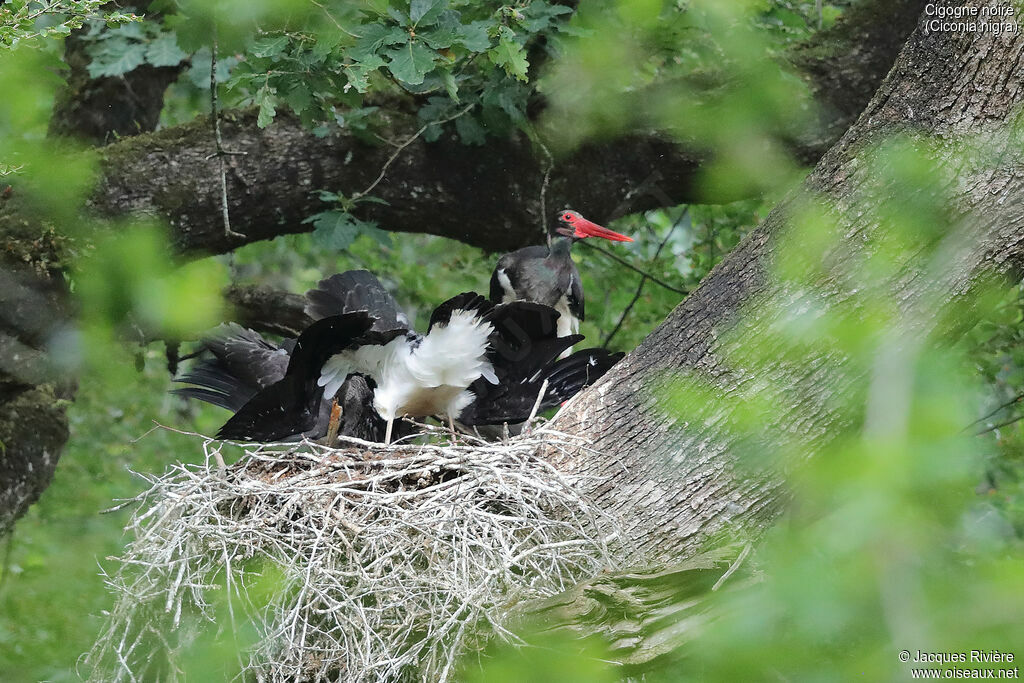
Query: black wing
(569, 376)
(285, 409)
(525, 338)
(356, 290)
(467, 301)
(243, 363)
(293, 405)
(512, 402)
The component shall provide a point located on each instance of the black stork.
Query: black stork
(481, 362)
(414, 375)
(547, 274)
(239, 363)
(523, 350)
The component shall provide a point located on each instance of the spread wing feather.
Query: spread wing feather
(356, 290)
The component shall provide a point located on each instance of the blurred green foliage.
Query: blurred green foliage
(886, 544)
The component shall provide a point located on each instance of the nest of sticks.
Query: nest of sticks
(390, 562)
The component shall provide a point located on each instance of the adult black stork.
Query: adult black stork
(242, 363)
(547, 274)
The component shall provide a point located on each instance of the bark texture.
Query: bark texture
(267, 310)
(677, 483)
(845, 64)
(33, 425)
(101, 110)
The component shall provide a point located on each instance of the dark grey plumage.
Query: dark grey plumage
(294, 405)
(356, 290)
(242, 364)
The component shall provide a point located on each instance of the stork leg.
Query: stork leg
(451, 427)
(334, 424)
(387, 432)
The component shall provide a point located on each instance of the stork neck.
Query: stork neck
(561, 246)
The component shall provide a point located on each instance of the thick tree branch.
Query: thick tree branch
(845, 64)
(269, 310)
(487, 196)
(484, 195)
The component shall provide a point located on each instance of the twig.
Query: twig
(220, 153)
(398, 150)
(334, 21)
(643, 281)
(1000, 425)
(629, 265)
(544, 187)
(536, 404)
(1009, 403)
(733, 567)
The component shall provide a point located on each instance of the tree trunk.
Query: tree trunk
(33, 425)
(677, 483)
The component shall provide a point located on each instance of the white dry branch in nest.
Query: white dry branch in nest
(392, 560)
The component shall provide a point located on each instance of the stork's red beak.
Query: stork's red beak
(585, 228)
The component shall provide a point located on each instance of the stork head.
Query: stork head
(571, 224)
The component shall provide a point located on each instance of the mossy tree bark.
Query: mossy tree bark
(33, 309)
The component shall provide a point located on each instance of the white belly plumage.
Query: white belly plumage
(429, 378)
(567, 323)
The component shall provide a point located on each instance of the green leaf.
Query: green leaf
(133, 30)
(450, 85)
(538, 16)
(117, 59)
(267, 102)
(359, 73)
(398, 15)
(510, 55)
(164, 51)
(470, 131)
(444, 33)
(299, 97)
(474, 36)
(379, 7)
(336, 230)
(376, 36)
(426, 12)
(411, 62)
(269, 47)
